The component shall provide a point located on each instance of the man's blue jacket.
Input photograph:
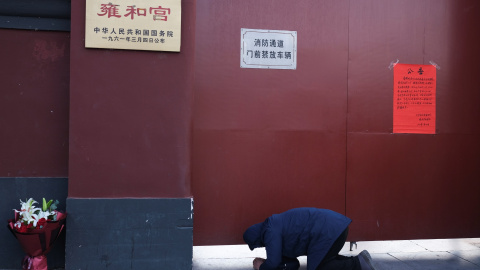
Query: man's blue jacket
(297, 232)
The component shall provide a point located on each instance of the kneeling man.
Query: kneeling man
(317, 233)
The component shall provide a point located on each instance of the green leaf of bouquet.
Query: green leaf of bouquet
(49, 203)
(44, 205)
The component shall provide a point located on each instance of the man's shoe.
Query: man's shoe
(366, 261)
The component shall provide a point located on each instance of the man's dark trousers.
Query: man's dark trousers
(334, 261)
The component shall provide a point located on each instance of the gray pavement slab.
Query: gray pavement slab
(438, 254)
(382, 247)
(232, 263)
(472, 256)
(436, 260)
(387, 261)
(445, 244)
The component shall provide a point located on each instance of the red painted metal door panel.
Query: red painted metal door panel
(406, 186)
(267, 140)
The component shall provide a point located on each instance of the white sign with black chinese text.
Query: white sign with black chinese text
(271, 49)
(152, 25)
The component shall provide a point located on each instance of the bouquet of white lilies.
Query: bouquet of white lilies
(36, 229)
(31, 217)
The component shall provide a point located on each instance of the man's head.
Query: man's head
(253, 236)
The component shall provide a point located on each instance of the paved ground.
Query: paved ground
(439, 254)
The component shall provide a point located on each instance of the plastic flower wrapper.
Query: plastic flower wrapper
(36, 229)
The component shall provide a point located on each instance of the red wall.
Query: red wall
(34, 103)
(321, 135)
(259, 141)
(130, 117)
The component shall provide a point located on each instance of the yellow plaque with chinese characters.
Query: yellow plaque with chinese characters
(152, 25)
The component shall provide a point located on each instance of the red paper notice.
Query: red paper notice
(414, 92)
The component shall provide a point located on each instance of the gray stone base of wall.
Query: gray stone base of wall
(129, 233)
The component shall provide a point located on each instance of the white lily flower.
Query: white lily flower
(44, 214)
(27, 211)
(28, 204)
(34, 219)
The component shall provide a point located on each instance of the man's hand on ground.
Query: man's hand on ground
(257, 262)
